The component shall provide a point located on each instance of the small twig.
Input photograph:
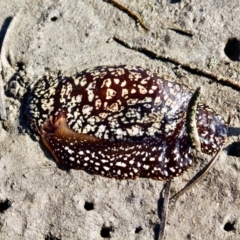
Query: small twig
(129, 12)
(164, 209)
(193, 69)
(198, 177)
(191, 124)
(176, 28)
(181, 31)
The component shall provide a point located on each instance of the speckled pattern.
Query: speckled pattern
(121, 122)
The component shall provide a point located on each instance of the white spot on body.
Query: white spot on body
(116, 80)
(107, 82)
(86, 110)
(124, 92)
(142, 89)
(110, 93)
(121, 164)
(145, 166)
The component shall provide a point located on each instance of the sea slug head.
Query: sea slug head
(212, 129)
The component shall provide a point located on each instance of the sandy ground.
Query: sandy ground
(39, 200)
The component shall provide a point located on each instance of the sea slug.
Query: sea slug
(121, 122)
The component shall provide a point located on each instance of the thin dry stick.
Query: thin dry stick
(165, 25)
(180, 30)
(193, 69)
(200, 175)
(164, 209)
(174, 27)
(129, 12)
